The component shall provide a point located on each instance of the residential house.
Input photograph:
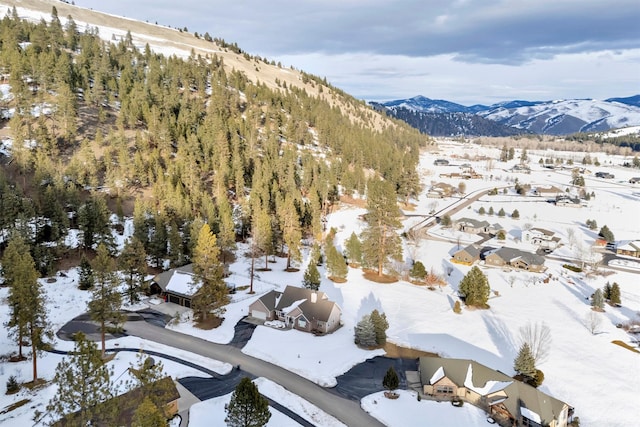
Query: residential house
(505, 399)
(542, 238)
(299, 308)
(515, 258)
(467, 255)
(471, 225)
(551, 191)
(178, 285)
(521, 168)
(629, 247)
(565, 200)
(441, 190)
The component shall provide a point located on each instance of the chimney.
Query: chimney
(314, 297)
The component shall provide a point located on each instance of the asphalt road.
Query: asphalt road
(347, 411)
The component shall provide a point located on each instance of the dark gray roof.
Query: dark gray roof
(473, 222)
(472, 250)
(511, 254)
(318, 310)
(518, 393)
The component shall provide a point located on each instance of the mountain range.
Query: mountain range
(559, 117)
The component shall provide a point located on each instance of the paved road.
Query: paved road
(347, 411)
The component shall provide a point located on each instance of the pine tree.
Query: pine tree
(133, 264)
(336, 264)
(311, 279)
(148, 375)
(380, 326)
(159, 240)
(212, 295)
(606, 291)
(176, 247)
(606, 234)
(84, 387)
(106, 299)
(148, 415)
(15, 272)
(262, 233)
(26, 299)
(524, 363)
(247, 407)
(501, 212)
(515, 214)
(365, 332)
(418, 271)
(380, 242)
(85, 279)
(614, 295)
(291, 232)
(491, 211)
(597, 301)
(391, 380)
(475, 288)
(481, 211)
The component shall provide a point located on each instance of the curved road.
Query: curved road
(347, 411)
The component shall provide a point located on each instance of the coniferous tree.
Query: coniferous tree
(26, 300)
(89, 398)
(159, 240)
(418, 271)
(380, 242)
(391, 380)
(15, 271)
(491, 211)
(85, 279)
(501, 212)
(524, 363)
(212, 295)
(247, 407)
(176, 247)
(148, 415)
(336, 265)
(606, 234)
(606, 291)
(291, 232)
(133, 264)
(106, 299)
(515, 214)
(614, 294)
(262, 233)
(365, 332)
(311, 279)
(597, 301)
(380, 325)
(475, 287)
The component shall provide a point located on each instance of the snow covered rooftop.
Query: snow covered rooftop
(182, 283)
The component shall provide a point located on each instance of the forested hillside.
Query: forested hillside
(91, 127)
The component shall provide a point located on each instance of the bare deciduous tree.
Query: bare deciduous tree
(413, 243)
(592, 321)
(538, 337)
(571, 237)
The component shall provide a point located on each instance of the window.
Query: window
(444, 389)
(526, 422)
(302, 323)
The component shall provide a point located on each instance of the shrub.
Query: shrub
(572, 268)
(501, 235)
(12, 385)
(457, 308)
(537, 379)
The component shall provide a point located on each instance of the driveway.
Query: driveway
(347, 411)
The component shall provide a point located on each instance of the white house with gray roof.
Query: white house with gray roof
(299, 308)
(508, 401)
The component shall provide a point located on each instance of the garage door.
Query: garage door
(259, 314)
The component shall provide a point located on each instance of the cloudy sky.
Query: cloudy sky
(465, 51)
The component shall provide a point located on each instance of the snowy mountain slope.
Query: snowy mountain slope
(567, 116)
(543, 117)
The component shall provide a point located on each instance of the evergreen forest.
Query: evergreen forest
(100, 128)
